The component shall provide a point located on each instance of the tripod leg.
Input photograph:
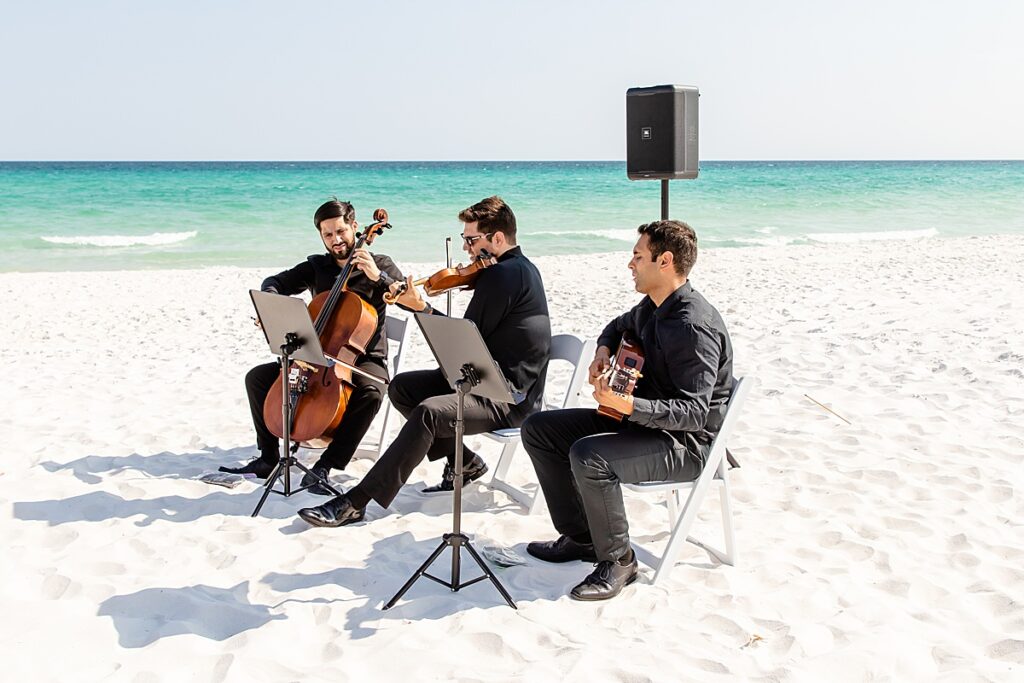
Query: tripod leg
(419, 572)
(456, 542)
(323, 480)
(494, 579)
(267, 487)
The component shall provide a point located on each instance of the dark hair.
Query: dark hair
(334, 209)
(493, 215)
(673, 236)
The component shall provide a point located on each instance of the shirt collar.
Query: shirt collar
(511, 253)
(673, 299)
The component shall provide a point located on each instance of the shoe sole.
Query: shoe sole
(595, 598)
(314, 521)
(316, 489)
(227, 470)
(430, 490)
(590, 560)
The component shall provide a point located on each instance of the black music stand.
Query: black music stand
(469, 368)
(290, 334)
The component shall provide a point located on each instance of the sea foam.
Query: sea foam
(625, 235)
(835, 237)
(154, 240)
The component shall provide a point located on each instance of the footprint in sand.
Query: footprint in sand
(1000, 494)
(321, 614)
(727, 627)
(780, 645)
(894, 587)
(856, 551)
(996, 603)
(57, 586)
(902, 524)
(947, 659)
(1009, 650)
(964, 561)
(829, 539)
(958, 542)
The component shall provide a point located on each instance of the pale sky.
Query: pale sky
(318, 80)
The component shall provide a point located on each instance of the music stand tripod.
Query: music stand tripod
(469, 368)
(290, 334)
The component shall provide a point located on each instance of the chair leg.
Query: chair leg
(730, 538)
(383, 430)
(537, 503)
(504, 462)
(390, 415)
(680, 528)
(497, 480)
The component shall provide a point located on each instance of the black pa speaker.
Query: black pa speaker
(661, 132)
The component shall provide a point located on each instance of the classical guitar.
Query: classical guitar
(625, 371)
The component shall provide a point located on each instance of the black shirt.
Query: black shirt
(510, 309)
(318, 273)
(687, 372)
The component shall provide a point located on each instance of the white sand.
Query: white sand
(886, 549)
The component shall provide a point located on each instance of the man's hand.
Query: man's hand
(411, 298)
(611, 399)
(364, 262)
(602, 361)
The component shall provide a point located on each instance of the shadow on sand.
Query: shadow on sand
(215, 613)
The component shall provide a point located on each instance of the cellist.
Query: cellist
(373, 275)
(510, 309)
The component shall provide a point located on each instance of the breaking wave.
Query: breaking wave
(156, 239)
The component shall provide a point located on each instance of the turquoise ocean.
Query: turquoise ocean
(132, 215)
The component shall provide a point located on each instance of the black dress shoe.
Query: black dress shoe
(471, 471)
(335, 512)
(563, 550)
(606, 581)
(261, 468)
(311, 480)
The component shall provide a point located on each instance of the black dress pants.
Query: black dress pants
(366, 399)
(429, 405)
(582, 457)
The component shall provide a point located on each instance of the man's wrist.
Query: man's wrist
(427, 308)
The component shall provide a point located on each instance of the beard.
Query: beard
(341, 251)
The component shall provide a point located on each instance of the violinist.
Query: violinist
(677, 406)
(373, 275)
(510, 309)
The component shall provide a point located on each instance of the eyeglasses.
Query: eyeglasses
(469, 239)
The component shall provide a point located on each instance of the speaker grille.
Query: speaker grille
(661, 132)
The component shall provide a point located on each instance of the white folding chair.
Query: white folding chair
(682, 515)
(397, 330)
(564, 347)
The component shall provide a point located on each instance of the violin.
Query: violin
(459, 277)
(345, 324)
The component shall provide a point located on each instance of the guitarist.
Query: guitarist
(668, 422)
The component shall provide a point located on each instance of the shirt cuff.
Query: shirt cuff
(643, 411)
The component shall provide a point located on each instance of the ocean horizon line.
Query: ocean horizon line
(489, 161)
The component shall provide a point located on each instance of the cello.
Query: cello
(345, 324)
